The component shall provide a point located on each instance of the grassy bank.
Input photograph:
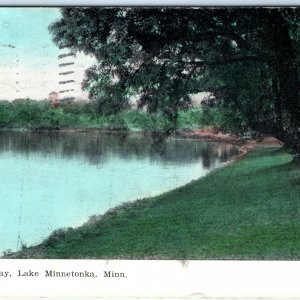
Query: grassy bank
(247, 210)
(39, 115)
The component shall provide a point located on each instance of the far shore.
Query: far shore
(207, 134)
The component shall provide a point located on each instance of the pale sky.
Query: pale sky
(28, 57)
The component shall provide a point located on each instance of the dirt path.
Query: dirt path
(246, 145)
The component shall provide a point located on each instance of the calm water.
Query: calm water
(54, 180)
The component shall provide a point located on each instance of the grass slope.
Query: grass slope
(247, 210)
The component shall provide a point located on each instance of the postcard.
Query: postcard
(149, 152)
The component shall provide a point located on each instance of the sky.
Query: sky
(28, 57)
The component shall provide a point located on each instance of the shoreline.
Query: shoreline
(128, 230)
(245, 147)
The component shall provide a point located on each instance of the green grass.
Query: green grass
(247, 210)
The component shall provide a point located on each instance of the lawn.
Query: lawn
(249, 209)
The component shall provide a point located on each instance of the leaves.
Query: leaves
(247, 58)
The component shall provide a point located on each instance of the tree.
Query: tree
(248, 58)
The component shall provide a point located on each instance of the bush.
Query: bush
(57, 236)
(224, 119)
(191, 118)
(79, 107)
(28, 111)
(140, 120)
(55, 118)
(32, 114)
(6, 114)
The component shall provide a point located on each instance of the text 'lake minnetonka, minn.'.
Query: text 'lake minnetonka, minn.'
(62, 274)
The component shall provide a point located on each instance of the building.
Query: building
(54, 99)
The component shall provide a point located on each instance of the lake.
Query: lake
(52, 180)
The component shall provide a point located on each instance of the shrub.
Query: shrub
(6, 114)
(191, 118)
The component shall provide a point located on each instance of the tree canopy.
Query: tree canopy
(247, 58)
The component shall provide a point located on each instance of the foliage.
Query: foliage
(5, 113)
(108, 100)
(248, 58)
(191, 118)
(27, 111)
(56, 236)
(31, 114)
(79, 107)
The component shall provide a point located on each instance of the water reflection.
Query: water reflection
(56, 180)
(98, 147)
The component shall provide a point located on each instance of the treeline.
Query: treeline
(39, 115)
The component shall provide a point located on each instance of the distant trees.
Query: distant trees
(248, 58)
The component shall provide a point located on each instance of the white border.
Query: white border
(149, 3)
(154, 279)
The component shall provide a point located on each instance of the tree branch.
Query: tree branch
(225, 61)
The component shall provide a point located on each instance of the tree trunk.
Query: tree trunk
(282, 61)
(290, 138)
(283, 64)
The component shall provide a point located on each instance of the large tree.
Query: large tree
(248, 58)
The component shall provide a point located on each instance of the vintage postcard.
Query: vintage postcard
(149, 152)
